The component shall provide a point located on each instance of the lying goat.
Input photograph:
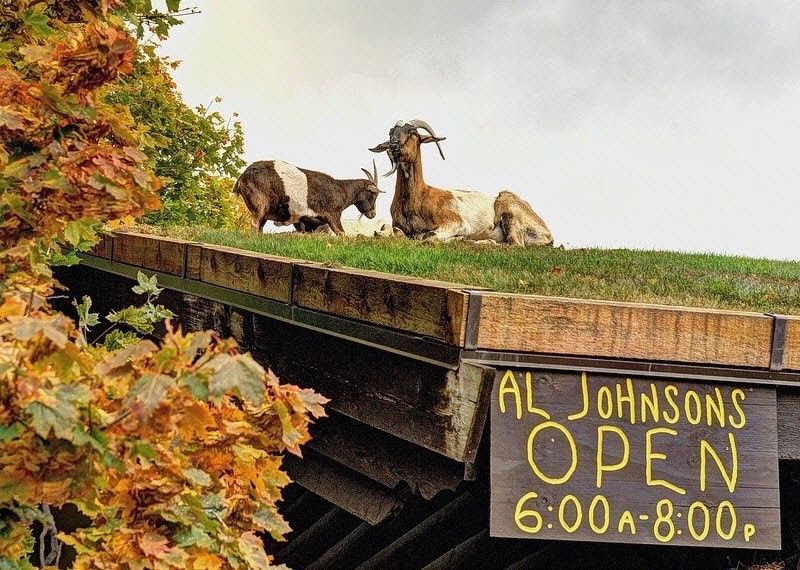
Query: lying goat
(421, 211)
(277, 191)
(517, 224)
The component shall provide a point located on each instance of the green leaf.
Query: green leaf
(173, 5)
(135, 317)
(82, 234)
(147, 393)
(240, 373)
(57, 410)
(7, 433)
(37, 22)
(96, 438)
(193, 536)
(143, 450)
(146, 285)
(85, 318)
(269, 519)
(252, 549)
(197, 385)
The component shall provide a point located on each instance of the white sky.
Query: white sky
(652, 124)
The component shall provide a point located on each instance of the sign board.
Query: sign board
(606, 457)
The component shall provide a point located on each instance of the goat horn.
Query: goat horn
(419, 123)
(375, 172)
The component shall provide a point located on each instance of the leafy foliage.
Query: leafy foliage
(195, 152)
(173, 449)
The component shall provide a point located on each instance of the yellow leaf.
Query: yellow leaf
(195, 421)
(12, 307)
(206, 561)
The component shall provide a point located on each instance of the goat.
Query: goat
(277, 191)
(518, 223)
(423, 211)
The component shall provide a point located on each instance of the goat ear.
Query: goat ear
(381, 147)
(429, 138)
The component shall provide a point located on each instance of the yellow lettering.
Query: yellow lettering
(626, 518)
(737, 394)
(531, 408)
(717, 407)
(578, 513)
(628, 398)
(730, 479)
(650, 455)
(572, 446)
(650, 403)
(749, 531)
(626, 448)
(604, 404)
(599, 499)
(520, 514)
(727, 506)
(706, 520)
(698, 407)
(669, 392)
(512, 388)
(585, 394)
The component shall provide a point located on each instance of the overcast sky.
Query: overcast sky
(652, 124)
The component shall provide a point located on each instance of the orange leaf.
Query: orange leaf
(154, 544)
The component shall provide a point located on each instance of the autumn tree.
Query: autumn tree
(195, 152)
(172, 449)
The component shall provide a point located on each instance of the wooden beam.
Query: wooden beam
(155, 253)
(384, 458)
(791, 355)
(104, 247)
(550, 325)
(344, 488)
(429, 308)
(306, 547)
(456, 521)
(256, 273)
(428, 405)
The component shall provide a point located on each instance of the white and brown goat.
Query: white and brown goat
(277, 191)
(421, 211)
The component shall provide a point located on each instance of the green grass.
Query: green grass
(699, 280)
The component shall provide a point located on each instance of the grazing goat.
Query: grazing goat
(423, 211)
(277, 191)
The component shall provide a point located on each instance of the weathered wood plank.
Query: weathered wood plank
(342, 487)
(384, 458)
(156, 253)
(550, 325)
(428, 308)
(791, 355)
(194, 252)
(104, 247)
(789, 423)
(256, 273)
(425, 404)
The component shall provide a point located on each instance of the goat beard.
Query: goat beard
(394, 167)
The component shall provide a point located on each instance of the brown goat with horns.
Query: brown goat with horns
(423, 211)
